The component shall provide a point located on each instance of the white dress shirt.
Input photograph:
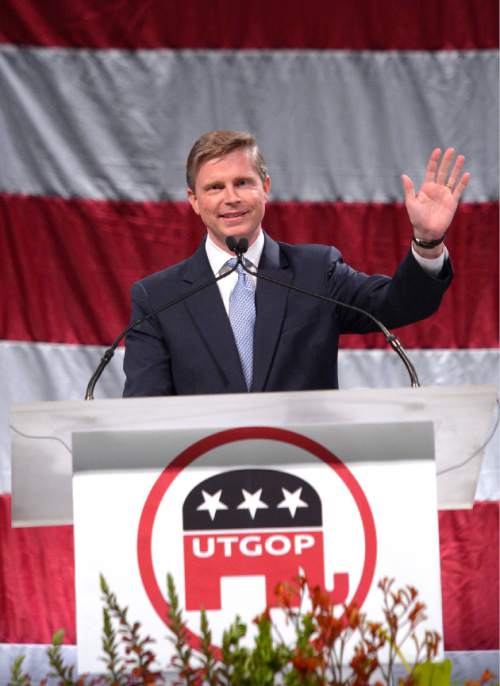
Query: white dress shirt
(218, 258)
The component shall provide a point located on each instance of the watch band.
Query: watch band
(428, 245)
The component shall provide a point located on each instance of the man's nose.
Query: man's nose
(231, 195)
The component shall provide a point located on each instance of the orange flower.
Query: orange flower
(320, 599)
(352, 616)
(417, 613)
(306, 663)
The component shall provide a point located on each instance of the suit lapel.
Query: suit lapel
(270, 305)
(210, 317)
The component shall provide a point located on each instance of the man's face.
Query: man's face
(230, 197)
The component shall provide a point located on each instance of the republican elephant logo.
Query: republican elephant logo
(253, 522)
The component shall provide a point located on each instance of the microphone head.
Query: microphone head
(232, 243)
(242, 245)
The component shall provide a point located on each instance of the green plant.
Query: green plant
(315, 657)
(322, 633)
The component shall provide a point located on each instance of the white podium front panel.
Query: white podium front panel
(41, 432)
(232, 511)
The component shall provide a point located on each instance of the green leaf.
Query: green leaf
(433, 673)
(58, 637)
(104, 586)
(17, 664)
(17, 677)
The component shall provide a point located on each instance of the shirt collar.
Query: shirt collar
(218, 257)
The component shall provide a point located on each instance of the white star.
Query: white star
(292, 500)
(252, 502)
(212, 503)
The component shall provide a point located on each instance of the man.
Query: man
(243, 334)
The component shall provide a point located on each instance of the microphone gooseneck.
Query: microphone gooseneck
(241, 246)
(109, 352)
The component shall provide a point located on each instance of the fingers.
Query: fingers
(456, 189)
(408, 187)
(442, 172)
(438, 167)
(461, 186)
(432, 165)
(459, 163)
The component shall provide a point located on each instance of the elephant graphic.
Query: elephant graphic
(253, 522)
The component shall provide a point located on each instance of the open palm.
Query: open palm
(432, 209)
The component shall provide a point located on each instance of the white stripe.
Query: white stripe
(333, 125)
(32, 372)
(467, 664)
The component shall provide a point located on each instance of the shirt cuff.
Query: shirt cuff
(433, 265)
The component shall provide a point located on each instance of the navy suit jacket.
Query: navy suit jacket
(190, 348)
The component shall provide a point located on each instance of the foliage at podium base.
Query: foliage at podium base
(315, 658)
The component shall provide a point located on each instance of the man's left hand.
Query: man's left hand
(432, 209)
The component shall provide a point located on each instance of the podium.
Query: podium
(230, 491)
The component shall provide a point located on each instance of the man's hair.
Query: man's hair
(219, 143)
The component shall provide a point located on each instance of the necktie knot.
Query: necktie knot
(232, 263)
(243, 276)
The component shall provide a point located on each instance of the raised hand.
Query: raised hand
(432, 209)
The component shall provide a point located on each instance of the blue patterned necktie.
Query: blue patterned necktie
(242, 318)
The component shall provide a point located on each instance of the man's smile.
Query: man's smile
(233, 215)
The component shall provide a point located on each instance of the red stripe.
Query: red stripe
(316, 24)
(37, 587)
(37, 573)
(72, 263)
(469, 577)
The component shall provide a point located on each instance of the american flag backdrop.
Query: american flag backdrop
(99, 105)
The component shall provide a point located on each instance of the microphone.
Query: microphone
(239, 247)
(242, 246)
(232, 243)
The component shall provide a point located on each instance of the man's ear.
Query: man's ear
(267, 185)
(192, 200)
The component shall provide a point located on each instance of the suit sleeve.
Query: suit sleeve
(147, 359)
(410, 295)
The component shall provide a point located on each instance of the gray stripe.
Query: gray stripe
(334, 125)
(32, 372)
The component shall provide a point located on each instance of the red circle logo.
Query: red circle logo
(193, 452)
